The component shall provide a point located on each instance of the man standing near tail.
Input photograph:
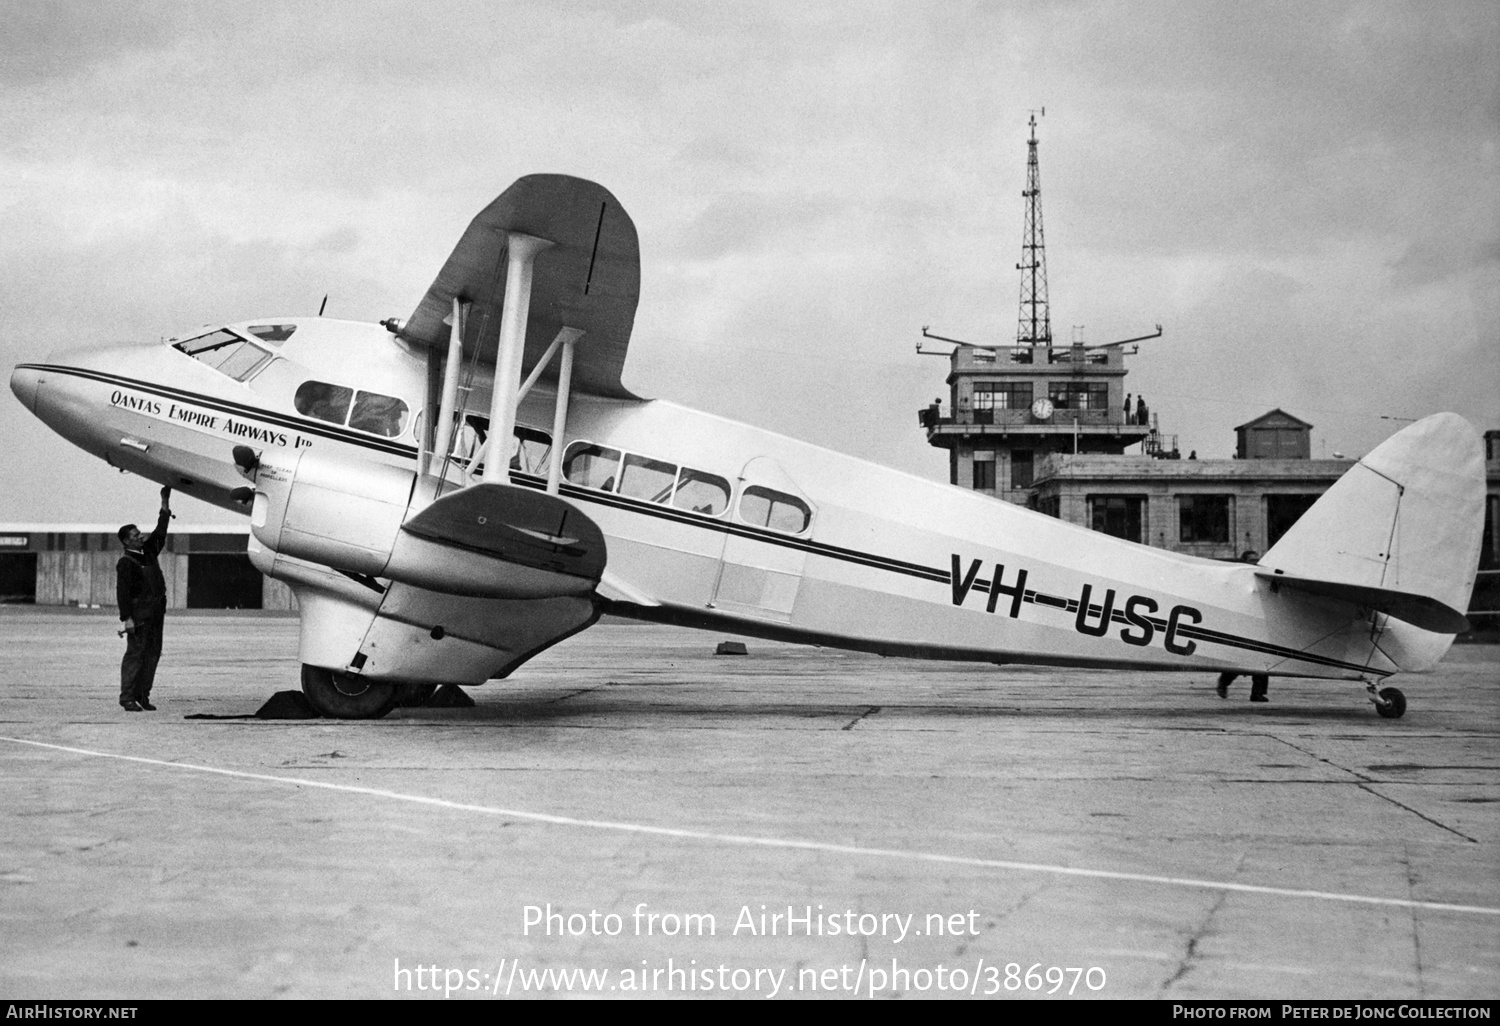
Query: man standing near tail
(142, 594)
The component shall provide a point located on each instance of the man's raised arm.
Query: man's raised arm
(158, 537)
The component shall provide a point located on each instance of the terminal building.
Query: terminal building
(1048, 426)
(74, 565)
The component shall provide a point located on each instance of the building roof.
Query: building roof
(1278, 415)
(45, 527)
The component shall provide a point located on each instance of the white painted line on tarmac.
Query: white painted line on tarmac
(783, 842)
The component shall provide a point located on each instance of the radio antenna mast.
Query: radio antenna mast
(1035, 323)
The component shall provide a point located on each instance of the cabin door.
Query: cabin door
(760, 570)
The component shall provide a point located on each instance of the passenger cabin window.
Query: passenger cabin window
(641, 477)
(779, 511)
(648, 479)
(227, 353)
(323, 401)
(531, 454)
(533, 451)
(272, 333)
(378, 414)
(701, 493)
(592, 466)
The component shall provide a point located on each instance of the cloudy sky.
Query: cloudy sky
(1303, 194)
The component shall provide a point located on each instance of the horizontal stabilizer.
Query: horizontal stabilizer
(1418, 610)
(515, 525)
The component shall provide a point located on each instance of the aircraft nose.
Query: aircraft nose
(25, 382)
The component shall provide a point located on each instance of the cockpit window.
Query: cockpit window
(272, 333)
(226, 352)
(378, 414)
(209, 348)
(323, 401)
(242, 363)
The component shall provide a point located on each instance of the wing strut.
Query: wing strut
(566, 338)
(520, 259)
(447, 410)
(565, 335)
(560, 414)
(508, 390)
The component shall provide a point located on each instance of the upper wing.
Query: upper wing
(590, 278)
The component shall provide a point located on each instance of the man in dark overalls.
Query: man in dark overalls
(142, 594)
(1260, 683)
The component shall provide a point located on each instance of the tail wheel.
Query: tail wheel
(1392, 704)
(344, 697)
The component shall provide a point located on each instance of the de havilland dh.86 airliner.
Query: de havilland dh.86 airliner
(451, 494)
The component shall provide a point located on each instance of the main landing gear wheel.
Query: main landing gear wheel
(1392, 704)
(344, 697)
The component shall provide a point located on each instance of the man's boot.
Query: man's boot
(1260, 683)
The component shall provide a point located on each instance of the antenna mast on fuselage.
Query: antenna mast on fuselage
(1035, 322)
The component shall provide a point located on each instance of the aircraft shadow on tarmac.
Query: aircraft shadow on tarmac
(621, 708)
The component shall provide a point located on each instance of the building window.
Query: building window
(1079, 395)
(1050, 505)
(1022, 468)
(982, 403)
(1282, 512)
(1014, 395)
(984, 471)
(1001, 395)
(1119, 516)
(1489, 546)
(1205, 518)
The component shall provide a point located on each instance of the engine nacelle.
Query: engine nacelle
(344, 513)
(375, 520)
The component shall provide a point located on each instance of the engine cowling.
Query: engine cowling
(343, 513)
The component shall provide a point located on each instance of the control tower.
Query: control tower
(1011, 405)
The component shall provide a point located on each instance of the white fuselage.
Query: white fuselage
(843, 552)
